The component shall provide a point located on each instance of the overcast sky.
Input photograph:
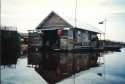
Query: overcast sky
(27, 14)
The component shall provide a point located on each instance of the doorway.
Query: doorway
(51, 39)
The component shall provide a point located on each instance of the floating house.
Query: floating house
(56, 33)
(61, 33)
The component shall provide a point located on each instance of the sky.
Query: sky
(27, 14)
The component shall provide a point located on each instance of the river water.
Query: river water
(111, 70)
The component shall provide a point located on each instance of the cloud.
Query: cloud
(35, 10)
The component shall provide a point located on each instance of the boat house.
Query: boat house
(60, 33)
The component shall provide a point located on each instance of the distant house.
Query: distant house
(9, 45)
(24, 43)
(58, 32)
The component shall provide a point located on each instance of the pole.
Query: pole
(75, 13)
(73, 66)
(104, 45)
(105, 29)
(105, 23)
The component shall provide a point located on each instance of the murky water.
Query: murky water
(83, 68)
(111, 72)
(21, 74)
(61, 67)
(56, 66)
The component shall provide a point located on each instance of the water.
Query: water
(21, 74)
(111, 72)
(56, 66)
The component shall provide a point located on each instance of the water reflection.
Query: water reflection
(55, 66)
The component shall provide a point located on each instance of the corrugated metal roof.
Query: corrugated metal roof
(79, 24)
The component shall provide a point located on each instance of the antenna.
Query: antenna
(75, 13)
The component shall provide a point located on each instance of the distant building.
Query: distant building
(9, 45)
(24, 38)
(24, 44)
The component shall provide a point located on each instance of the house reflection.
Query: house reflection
(55, 66)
